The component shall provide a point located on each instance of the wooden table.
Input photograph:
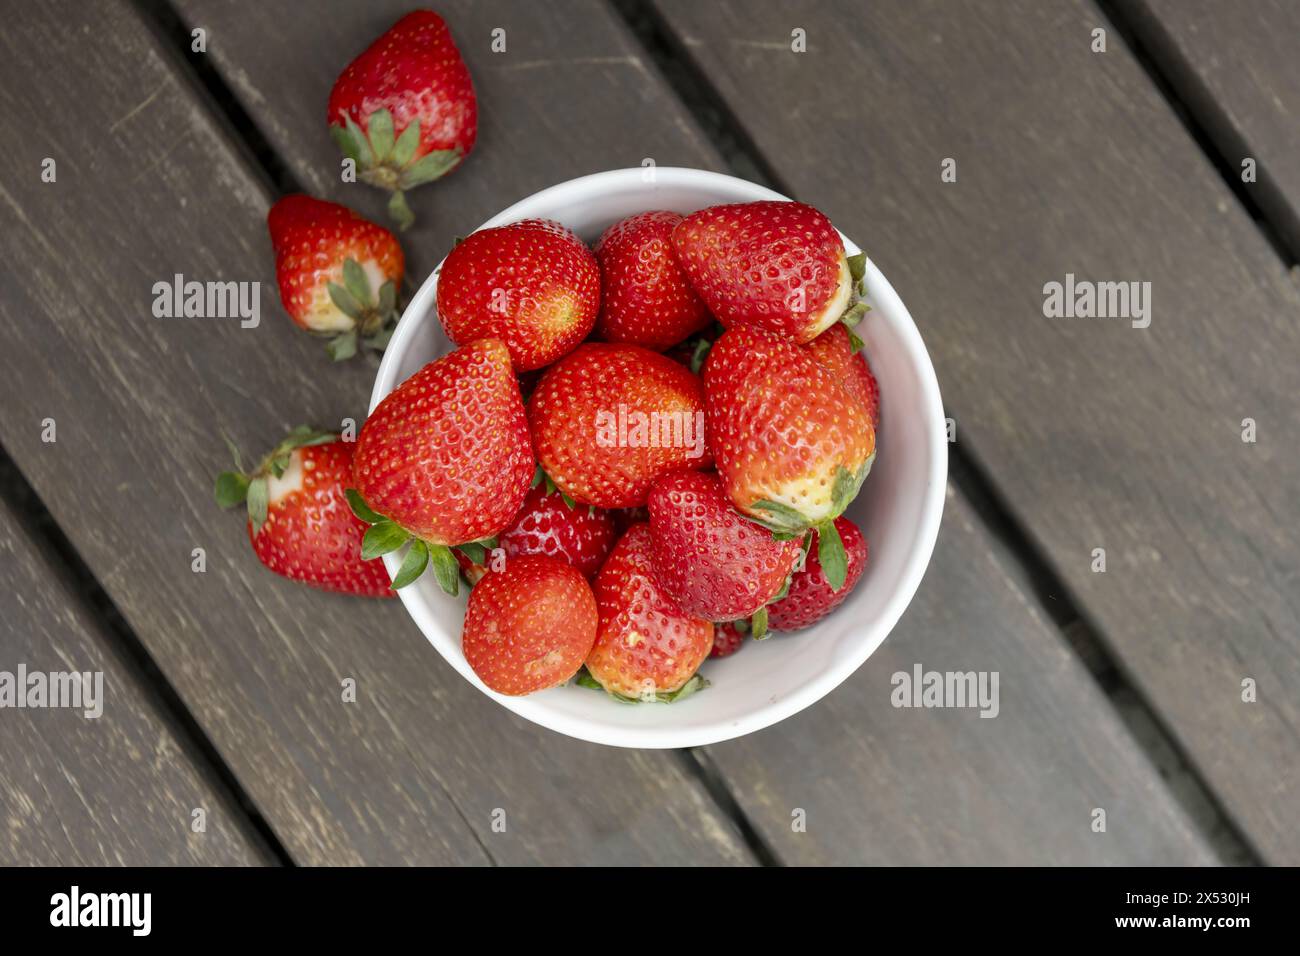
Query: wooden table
(1120, 690)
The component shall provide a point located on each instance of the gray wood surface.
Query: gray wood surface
(1099, 435)
(549, 65)
(149, 186)
(116, 789)
(1237, 66)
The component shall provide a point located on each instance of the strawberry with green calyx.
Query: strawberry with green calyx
(777, 266)
(404, 110)
(338, 273)
(299, 523)
(444, 461)
(647, 648)
(791, 445)
(811, 595)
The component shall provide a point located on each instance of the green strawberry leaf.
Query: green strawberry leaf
(380, 127)
(568, 502)
(584, 679)
(387, 299)
(407, 144)
(345, 301)
(343, 346)
(474, 551)
(304, 436)
(854, 313)
(358, 283)
(758, 624)
(234, 452)
(364, 157)
(781, 517)
(361, 509)
(379, 341)
(259, 503)
(858, 267)
(830, 552)
(429, 167)
(347, 142)
(413, 565)
(699, 354)
(231, 488)
(399, 211)
(280, 463)
(696, 684)
(381, 538)
(538, 475)
(445, 568)
(855, 344)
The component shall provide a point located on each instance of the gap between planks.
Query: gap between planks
(727, 134)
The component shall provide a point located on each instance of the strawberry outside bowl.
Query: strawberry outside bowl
(898, 509)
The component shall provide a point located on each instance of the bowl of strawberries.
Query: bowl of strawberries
(680, 442)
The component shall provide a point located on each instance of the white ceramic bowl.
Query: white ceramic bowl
(898, 509)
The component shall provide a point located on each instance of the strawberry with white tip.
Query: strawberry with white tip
(299, 521)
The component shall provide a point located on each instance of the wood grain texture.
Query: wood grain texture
(616, 128)
(148, 187)
(1237, 67)
(1099, 435)
(117, 789)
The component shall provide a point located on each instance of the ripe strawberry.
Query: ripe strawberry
(607, 420)
(728, 638)
(645, 298)
(443, 459)
(841, 351)
(547, 524)
(778, 266)
(532, 284)
(713, 562)
(811, 596)
(529, 626)
(299, 522)
(646, 647)
(338, 273)
(792, 445)
(404, 110)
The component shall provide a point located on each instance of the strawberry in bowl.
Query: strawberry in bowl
(805, 445)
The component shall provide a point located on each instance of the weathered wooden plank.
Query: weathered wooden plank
(1237, 67)
(148, 187)
(1041, 806)
(1099, 434)
(106, 783)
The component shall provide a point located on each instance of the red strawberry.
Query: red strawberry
(529, 626)
(811, 596)
(646, 647)
(713, 562)
(607, 420)
(532, 284)
(779, 266)
(792, 446)
(338, 273)
(728, 638)
(444, 459)
(841, 351)
(404, 110)
(299, 521)
(645, 298)
(547, 524)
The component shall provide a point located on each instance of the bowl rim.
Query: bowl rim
(424, 304)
